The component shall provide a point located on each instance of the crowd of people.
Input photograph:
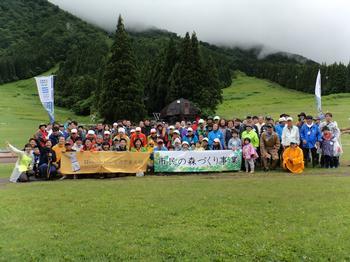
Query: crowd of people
(264, 143)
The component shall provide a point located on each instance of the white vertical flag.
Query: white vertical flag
(318, 92)
(46, 93)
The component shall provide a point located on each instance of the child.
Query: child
(249, 155)
(327, 147)
(234, 143)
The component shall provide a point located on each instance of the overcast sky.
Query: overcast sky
(317, 29)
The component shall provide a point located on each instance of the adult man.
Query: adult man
(59, 149)
(269, 145)
(260, 123)
(47, 166)
(201, 129)
(215, 133)
(290, 133)
(191, 138)
(55, 135)
(279, 127)
(293, 158)
(310, 139)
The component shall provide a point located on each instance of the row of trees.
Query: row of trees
(302, 77)
(179, 71)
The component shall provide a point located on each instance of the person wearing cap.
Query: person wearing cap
(268, 121)
(215, 133)
(160, 146)
(269, 146)
(185, 146)
(73, 136)
(290, 133)
(55, 135)
(279, 127)
(107, 137)
(171, 138)
(252, 135)
(177, 144)
(216, 119)
(204, 145)
(216, 144)
(91, 136)
(121, 135)
(301, 119)
(190, 137)
(293, 158)
(235, 143)
(41, 135)
(201, 129)
(152, 136)
(311, 137)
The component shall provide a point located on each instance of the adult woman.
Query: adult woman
(25, 158)
(137, 146)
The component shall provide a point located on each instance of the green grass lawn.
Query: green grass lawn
(219, 217)
(21, 112)
(253, 96)
(228, 216)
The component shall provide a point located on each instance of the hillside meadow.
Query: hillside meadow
(227, 216)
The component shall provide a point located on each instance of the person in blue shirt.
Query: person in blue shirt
(279, 127)
(215, 133)
(310, 135)
(191, 138)
(160, 146)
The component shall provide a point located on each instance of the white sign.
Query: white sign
(46, 93)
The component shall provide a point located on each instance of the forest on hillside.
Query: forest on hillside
(35, 35)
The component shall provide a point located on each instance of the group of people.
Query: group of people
(262, 142)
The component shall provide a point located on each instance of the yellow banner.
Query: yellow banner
(103, 162)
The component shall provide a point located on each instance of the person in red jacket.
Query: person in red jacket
(138, 135)
(42, 135)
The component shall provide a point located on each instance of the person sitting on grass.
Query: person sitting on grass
(293, 158)
(25, 159)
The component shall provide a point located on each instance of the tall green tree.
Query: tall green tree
(121, 92)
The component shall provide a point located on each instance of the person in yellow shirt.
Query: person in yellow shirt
(293, 158)
(59, 149)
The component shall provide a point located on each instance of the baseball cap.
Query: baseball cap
(216, 118)
(121, 130)
(74, 131)
(91, 132)
(201, 121)
(206, 139)
(289, 118)
(282, 119)
(189, 129)
(107, 132)
(217, 140)
(138, 129)
(153, 130)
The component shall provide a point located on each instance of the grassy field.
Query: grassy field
(21, 112)
(252, 96)
(230, 216)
